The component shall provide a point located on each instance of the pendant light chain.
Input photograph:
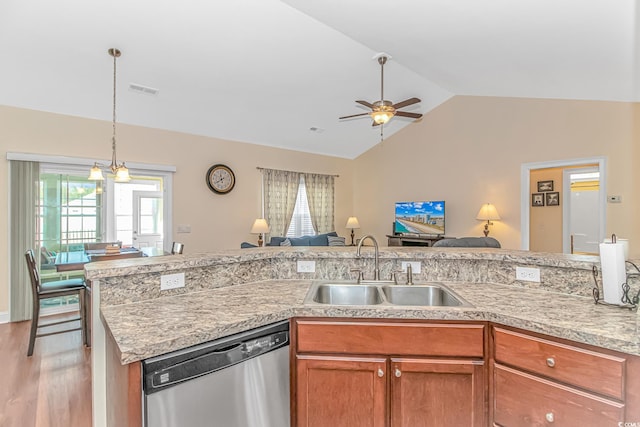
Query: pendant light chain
(119, 170)
(114, 164)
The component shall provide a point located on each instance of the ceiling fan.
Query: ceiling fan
(382, 111)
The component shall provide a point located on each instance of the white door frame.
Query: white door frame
(525, 184)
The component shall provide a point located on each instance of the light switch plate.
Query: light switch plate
(306, 266)
(416, 266)
(171, 281)
(614, 199)
(184, 228)
(528, 274)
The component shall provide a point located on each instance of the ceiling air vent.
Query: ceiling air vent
(143, 89)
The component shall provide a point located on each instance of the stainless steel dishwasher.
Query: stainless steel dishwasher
(237, 381)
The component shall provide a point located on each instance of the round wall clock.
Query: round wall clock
(220, 179)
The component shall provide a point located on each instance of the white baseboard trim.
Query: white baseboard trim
(4, 317)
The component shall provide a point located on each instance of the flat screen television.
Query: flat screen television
(421, 218)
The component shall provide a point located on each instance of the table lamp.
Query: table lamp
(352, 223)
(488, 213)
(260, 227)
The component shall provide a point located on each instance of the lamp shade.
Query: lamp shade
(488, 212)
(352, 222)
(122, 174)
(260, 226)
(96, 173)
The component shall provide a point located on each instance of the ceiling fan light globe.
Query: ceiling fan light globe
(381, 117)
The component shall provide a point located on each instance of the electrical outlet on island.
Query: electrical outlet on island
(171, 281)
(528, 274)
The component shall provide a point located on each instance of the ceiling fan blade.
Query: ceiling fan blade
(365, 103)
(405, 114)
(353, 115)
(406, 102)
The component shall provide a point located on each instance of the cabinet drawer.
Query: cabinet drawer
(386, 338)
(593, 371)
(521, 399)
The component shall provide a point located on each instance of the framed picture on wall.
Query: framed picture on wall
(537, 199)
(553, 199)
(545, 186)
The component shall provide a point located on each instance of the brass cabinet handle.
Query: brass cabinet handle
(549, 417)
(398, 373)
(551, 362)
(380, 373)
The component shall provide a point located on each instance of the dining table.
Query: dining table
(75, 260)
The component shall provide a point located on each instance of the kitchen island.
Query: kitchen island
(231, 291)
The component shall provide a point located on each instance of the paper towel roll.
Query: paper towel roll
(625, 245)
(613, 271)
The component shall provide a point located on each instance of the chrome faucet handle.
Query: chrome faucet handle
(394, 276)
(409, 274)
(360, 274)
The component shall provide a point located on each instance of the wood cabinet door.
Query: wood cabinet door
(436, 392)
(341, 391)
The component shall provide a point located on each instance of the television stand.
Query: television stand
(400, 240)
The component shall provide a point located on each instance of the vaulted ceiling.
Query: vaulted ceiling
(269, 71)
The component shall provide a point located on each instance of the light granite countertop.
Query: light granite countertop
(153, 327)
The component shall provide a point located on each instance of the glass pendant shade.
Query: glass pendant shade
(122, 174)
(95, 174)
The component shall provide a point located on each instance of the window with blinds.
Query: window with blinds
(301, 220)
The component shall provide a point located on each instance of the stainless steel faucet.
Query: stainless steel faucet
(376, 270)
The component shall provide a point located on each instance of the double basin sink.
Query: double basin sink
(383, 293)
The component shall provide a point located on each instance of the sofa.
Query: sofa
(468, 242)
(318, 240)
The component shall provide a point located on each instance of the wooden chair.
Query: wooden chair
(54, 289)
(177, 248)
(100, 245)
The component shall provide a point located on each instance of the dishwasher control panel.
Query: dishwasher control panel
(174, 368)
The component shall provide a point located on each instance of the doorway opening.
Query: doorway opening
(552, 224)
(581, 216)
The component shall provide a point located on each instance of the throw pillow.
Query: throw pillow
(335, 241)
(285, 242)
(319, 240)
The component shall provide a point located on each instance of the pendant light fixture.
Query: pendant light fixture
(119, 170)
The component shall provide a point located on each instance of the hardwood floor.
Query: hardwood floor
(52, 388)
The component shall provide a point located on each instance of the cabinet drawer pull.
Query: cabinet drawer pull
(549, 417)
(380, 373)
(551, 362)
(398, 373)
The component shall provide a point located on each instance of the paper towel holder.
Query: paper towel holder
(626, 301)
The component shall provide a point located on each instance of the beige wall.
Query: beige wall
(217, 221)
(545, 222)
(470, 150)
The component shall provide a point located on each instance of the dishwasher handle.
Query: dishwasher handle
(213, 360)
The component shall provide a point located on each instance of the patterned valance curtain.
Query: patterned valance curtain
(280, 193)
(23, 197)
(320, 191)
